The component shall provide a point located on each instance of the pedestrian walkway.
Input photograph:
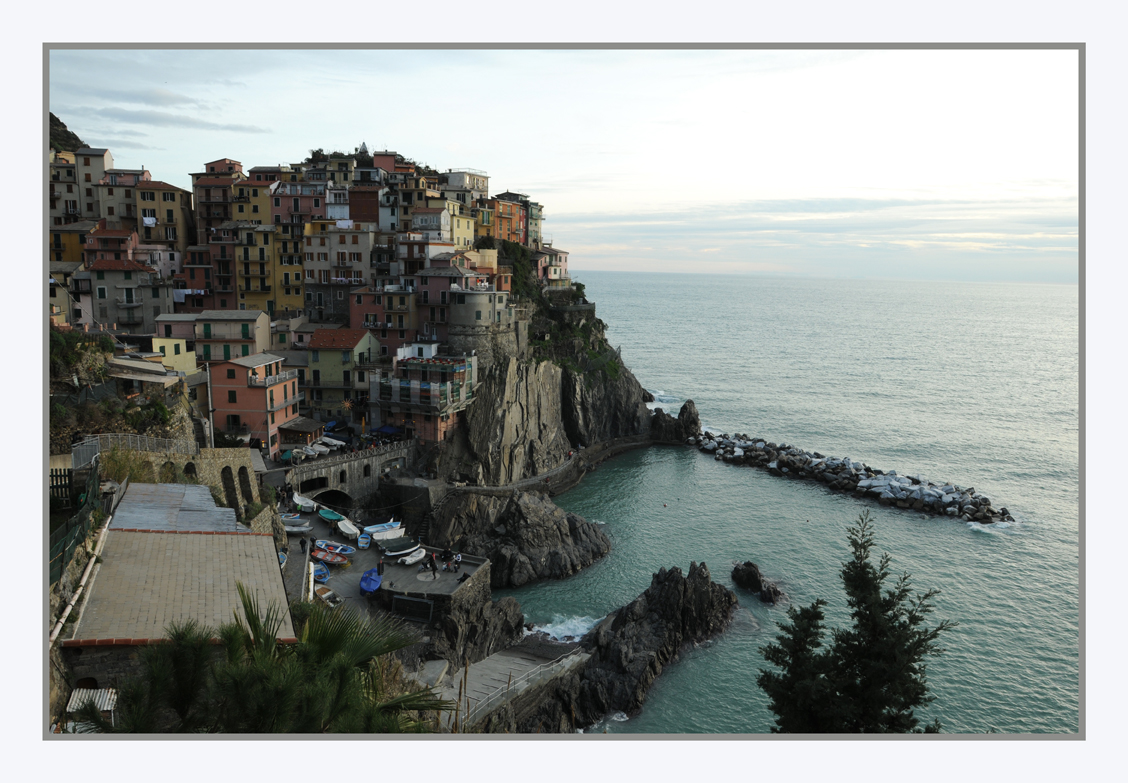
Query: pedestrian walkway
(486, 685)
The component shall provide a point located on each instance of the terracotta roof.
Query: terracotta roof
(211, 182)
(337, 338)
(110, 232)
(109, 265)
(156, 184)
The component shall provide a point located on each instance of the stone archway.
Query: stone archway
(168, 474)
(367, 470)
(190, 469)
(229, 491)
(310, 484)
(245, 485)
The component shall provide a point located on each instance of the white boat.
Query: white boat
(413, 558)
(400, 546)
(299, 528)
(309, 451)
(385, 530)
(332, 443)
(304, 503)
(318, 448)
(347, 529)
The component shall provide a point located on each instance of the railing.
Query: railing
(65, 539)
(375, 451)
(270, 380)
(134, 302)
(83, 453)
(287, 402)
(549, 668)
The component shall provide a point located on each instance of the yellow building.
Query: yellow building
(175, 354)
(462, 224)
(251, 201)
(67, 241)
(484, 221)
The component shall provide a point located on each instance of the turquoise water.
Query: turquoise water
(971, 383)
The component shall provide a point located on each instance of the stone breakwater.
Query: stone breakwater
(845, 475)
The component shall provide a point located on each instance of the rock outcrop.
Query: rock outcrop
(628, 650)
(748, 576)
(632, 646)
(664, 428)
(525, 536)
(475, 626)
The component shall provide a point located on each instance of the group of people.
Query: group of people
(451, 562)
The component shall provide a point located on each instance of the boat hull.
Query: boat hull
(370, 582)
(385, 532)
(364, 541)
(413, 557)
(328, 557)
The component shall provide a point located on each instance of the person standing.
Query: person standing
(434, 568)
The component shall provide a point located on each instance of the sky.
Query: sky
(932, 165)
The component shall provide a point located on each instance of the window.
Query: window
(168, 330)
(317, 202)
(282, 338)
(341, 239)
(156, 293)
(89, 192)
(477, 315)
(128, 275)
(176, 349)
(358, 298)
(163, 351)
(101, 292)
(345, 357)
(166, 196)
(246, 349)
(148, 195)
(277, 202)
(316, 356)
(340, 295)
(231, 396)
(101, 275)
(86, 161)
(230, 373)
(87, 177)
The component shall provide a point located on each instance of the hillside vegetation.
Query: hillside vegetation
(63, 139)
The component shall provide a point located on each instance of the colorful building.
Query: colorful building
(223, 334)
(426, 392)
(253, 396)
(337, 380)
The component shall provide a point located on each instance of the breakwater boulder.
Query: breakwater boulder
(748, 576)
(846, 475)
(525, 536)
(664, 428)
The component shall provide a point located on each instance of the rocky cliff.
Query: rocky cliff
(664, 428)
(525, 536)
(629, 649)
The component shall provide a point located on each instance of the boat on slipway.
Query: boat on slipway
(399, 546)
(307, 505)
(320, 573)
(333, 546)
(385, 530)
(370, 582)
(332, 558)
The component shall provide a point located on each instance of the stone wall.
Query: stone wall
(207, 467)
(492, 343)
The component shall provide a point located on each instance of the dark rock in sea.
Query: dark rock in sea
(664, 428)
(525, 536)
(647, 396)
(747, 575)
(770, 593)
(630, 648)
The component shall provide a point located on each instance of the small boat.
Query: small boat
(304, 503)
(291, 519)
(364, 541)
(317, 447)
(332, 443)
(330, 516)
(328, 557)
(399, 546)
(306, 528)
(281, 559)
(347, 529)
(320, 573)
(370, 581)
(329, 597)
(414, 557)
(333, 546)
(384, 531)
(309, 451)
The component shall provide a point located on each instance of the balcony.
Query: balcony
(130, 318)
(134, 302)
(271, 380)
(341, 264)
(299, 211)
(248, 290)
(224, 289)
(277, 406)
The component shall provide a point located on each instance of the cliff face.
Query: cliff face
(525, 536)
(598, 407)
(515, 428)
(475, 626)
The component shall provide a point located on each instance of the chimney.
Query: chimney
(86, 327)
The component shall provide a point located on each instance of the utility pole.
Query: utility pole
(211, 410)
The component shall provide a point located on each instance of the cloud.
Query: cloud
(166, 120)
(102, 141)
(157, 96)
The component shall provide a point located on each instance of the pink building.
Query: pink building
(104, 244)
(254, 396)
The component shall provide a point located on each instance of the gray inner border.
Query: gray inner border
(1080, 47)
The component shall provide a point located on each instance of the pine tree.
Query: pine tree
(872, 677)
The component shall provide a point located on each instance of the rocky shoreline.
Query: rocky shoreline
(845, 475)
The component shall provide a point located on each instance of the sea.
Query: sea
(970, 383)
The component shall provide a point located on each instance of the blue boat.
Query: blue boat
(364, 541)
(385, 530)
(281, 559)
(370, 582)
(334, 547)
(320, 572)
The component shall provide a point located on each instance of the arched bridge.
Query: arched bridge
(355, 474)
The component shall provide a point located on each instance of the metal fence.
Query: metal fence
(66, 538)
(83, 452)
(545, 670)
(61, 484)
